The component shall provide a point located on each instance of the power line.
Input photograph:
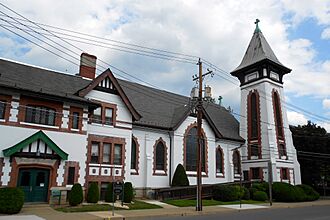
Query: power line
(208, 63)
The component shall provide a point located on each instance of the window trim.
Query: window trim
(222, 174)
(280, 140)
(254, 140)
(7, 100)
(155, 171)
(260, 171)
(71, 118)
(137, 157)
(239, 163)
(103, 107)
(287, 171)
(194, 173)
(67, 165)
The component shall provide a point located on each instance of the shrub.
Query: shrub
(11, 200)
(246, 194)
(252, 191)
(260, 196)
(128, 192)
(76, 195)
(299, 193)
(109, 196)
(93, 194)
(310, 193)
(226, 193)
(264, 187)
(180, 177)
(283, 192)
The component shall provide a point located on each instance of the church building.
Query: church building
(57, 129)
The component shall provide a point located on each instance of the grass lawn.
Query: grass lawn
(206, 202)
(106, 207)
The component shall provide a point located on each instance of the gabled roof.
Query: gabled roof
(166, 110)
(258, 50)
(39, 135)
(93, 84)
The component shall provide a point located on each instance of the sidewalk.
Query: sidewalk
(38, 212)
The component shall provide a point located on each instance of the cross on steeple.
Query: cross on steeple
(257, 26)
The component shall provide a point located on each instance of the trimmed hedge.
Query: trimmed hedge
(260, 196)
(283, 192)
(264, 187)
(109, 196)
(246, 194)
(310, 193)
(11, 200)
(180, 177)
(226, 193)
(93, 194)
(76, 195)
(128, 192)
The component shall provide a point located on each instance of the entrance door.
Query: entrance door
(34, 183)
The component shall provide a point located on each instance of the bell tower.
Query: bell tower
(263, 123)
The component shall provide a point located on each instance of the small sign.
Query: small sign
(56, 192)
(42, 184)
(118, 187)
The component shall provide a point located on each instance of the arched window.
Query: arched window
(254, 117)
(237, 162)
(278, 115)
(160, 156)
(191, 151)
(254, 125)
(134, 154)
(219, 161)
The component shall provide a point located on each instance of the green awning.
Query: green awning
(39, 135)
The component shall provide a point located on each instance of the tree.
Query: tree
(93, 195)
(76, 195)
(311, 142)
(180, 177)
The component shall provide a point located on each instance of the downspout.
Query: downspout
(170, 161)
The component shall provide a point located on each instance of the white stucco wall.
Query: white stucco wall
(268, 130)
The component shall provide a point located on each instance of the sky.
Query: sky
(217, 31)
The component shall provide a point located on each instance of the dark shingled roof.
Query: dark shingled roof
(158, 108)
(257, 50)
(33, 79)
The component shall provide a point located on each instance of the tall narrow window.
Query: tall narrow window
(106, 153)
(281, 150)
(75, 120)
(95, 153)
(278, 116)
(254, 145)
(219, 161)
(191, 150)
(133, 155)
(71, 174)
(237, 163)
(97, 115)
(2, 109)
(108, 116)
(117, 160)
(254, 117)
(160, 156)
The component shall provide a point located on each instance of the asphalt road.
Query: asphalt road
(302, 213)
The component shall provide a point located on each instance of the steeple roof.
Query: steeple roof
(257, 50)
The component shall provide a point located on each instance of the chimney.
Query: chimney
(87, 66)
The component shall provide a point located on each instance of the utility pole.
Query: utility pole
(199, 108)
(270, 182)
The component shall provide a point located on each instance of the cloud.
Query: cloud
(296, 118)
(326, 34)
(326, 103)
(218, 31)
